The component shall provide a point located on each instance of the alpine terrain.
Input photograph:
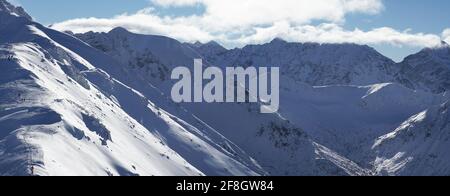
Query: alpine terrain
(100, 104)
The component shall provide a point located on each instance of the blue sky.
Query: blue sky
(412, 24)
(428, 16)
(65, 10)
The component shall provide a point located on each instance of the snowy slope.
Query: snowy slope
(351, 105)
(428, 70)
(155, 56)
(419, 146)
(261, 136)
(51, 122)
(141, 81)
(8, 9)
(314, 64)
(323, 130)
(357, 94)
(347, 119)
(61, 115)
(99, 104)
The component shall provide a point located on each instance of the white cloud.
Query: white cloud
(332, 33)
(144, 22)
(238, 13)
(240, 22)
(446, 35)
(366, 6)
(167, 3)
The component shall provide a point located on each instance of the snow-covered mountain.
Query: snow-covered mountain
(70, 109)
(241, 123)
(352, 107)
(61, 114)
(314, 64)
(419, 146)
(155, 56)
(428, 70)
(9, 9)
(345, 118)
(98, 104)
(348, 119)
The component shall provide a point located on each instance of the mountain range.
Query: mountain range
(99, 104)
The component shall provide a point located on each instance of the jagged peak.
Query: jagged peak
(212, 43)
(197, 44)
(348, 45)
(6, 7)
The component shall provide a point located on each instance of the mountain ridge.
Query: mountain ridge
(72, 118)
(388, 98)
(99, 104)
(7, 8)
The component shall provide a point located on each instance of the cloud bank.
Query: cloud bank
(235, 23)
(446, 35)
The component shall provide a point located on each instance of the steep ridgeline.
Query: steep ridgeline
(314, 64)
(428, 70)
(419, 146)
(339, 64)
(153, 56)
(9, 9)
(70, 109)
(62, 113)
(310, 63)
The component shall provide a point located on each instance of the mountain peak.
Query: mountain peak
(278, 40)
(213, 43)
(442, 49)
(197, 44)
(209, 46)
(119, 30)
(8, 8)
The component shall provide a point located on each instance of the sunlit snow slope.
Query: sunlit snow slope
(62, 115)
(99, 104)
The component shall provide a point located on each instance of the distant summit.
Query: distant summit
(199, 44)
(208, 49)
(428, 70)
(8, 8)
(119, 30)
(278, 40)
